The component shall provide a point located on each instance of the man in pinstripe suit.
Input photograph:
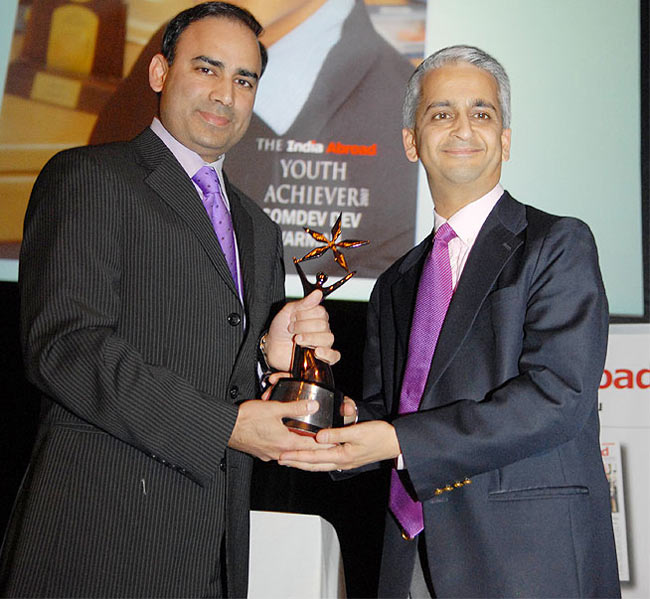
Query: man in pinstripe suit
(145, 345)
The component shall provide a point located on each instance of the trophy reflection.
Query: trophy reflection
(312, 378)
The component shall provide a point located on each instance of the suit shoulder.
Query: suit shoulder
(544, 223)
(104, 156)
(553, 239)
(540, 223)
(358, 27)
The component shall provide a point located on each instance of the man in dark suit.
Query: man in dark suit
(142, 328)
(484, 353)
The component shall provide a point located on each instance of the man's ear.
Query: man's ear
(505, 144)
(410, 145)
(158, 69)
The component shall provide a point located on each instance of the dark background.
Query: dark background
(354, 506)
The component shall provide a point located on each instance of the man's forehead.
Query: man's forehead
(228, 27)
(452, 75)
(453, 84)
(198, 40)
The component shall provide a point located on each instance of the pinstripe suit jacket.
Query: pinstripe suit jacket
(133, 330)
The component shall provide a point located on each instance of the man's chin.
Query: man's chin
(209, 146)
(463, 176)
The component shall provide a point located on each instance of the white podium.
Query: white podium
(294, 556)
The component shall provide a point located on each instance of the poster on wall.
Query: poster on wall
(624, 408)
(613, 465)
(79, 72)
(326, 133)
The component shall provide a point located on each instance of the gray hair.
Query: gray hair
(450, 55)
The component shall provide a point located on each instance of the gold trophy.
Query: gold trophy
(310, 377)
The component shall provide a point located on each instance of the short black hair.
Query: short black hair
(201, 11)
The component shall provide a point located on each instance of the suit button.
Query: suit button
(234, 392)
(234, 319)
(222, 464)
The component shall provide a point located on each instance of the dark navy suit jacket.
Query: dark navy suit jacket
(511, 404)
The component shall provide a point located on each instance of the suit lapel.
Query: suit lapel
(403, 294)
(496, 243)
(243, 225)
(171, 183)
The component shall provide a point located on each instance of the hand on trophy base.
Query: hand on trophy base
(330, 401)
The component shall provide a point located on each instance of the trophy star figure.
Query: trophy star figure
(331, 244)
(339, 258)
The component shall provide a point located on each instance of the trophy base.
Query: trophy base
(330, 402)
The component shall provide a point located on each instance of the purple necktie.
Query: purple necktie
(208, 182)
(434, 294)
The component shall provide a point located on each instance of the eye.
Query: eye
(244, 83)
(204, 70)
(482, 116)
(440, 116)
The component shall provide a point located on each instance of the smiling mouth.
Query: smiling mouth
(216, 120)
(461, 151)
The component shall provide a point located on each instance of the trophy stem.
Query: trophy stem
(306, 366)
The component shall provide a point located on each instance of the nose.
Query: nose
(222, 91)
(462, 127)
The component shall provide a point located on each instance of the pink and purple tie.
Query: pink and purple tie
(208, 181)
(434, 294)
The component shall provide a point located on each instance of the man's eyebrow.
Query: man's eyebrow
(211, 61)
(481, 103)
(247, 73)
(437, 104)
(219, 65)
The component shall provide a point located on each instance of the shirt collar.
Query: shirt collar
(189, 160)
(467, 222)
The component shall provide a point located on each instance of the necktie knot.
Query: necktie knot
(444, 234)
(207, 180)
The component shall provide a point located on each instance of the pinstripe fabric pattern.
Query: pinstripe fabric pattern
(126, 299)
